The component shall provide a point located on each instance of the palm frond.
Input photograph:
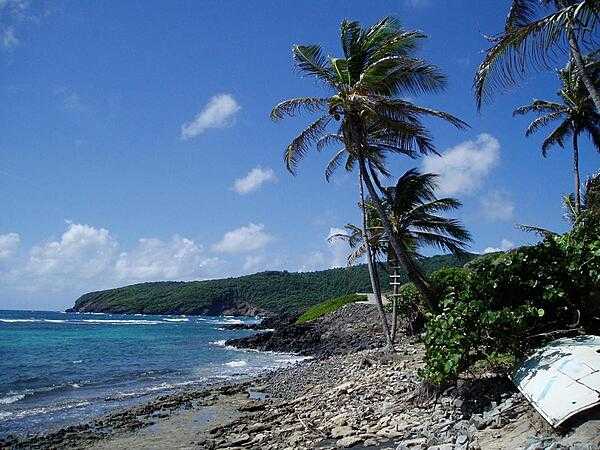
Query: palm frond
(444, 243)
(404, 107)
(291, 107)
(394, 75)
(334, 163)
(541, 122)
(557, 137)
(594, 132)
(531, 45)
(309, 59)
(328, 140)
(542, 232)
(521, 13)
(539, 106)
(301, 143)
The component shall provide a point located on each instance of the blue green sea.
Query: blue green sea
(58, 369)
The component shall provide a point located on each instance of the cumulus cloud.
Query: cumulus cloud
(254, 180)
(9, 243)
(83, 252)
(338, 249)
(9, 38)
(253, 263)
(244, 239)
(14, 14)
(333, 254)
(497, 205)
(217, 113)
(154, 259)
(462, 169)
(87, 258)
(505, 245)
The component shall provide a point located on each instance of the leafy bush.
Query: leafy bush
(467, 331)
(449, 281)
(445, 281)
(328, 307)
(490, 309)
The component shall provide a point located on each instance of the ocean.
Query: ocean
(58, 369)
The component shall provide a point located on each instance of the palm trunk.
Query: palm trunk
(576, 55)
(401, 253)
(372, 273)
(576, 172)
(394, 319)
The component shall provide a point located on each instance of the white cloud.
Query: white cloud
(254, 180)
(154, 259)
(9, 243)
(505, 245)
(83, 252)
(244, 239)
(87, 258)
(333, 254)
(13, 14)
(218, 113)
(9, 39)
(253, 263)
(497, 205)
(463, 168)
(338, 249)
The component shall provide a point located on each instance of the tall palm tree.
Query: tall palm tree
(418, 220)
(415, 213)
(533, 31)
(576, 115)
(369, 119)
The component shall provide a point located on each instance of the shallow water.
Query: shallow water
(62, 368)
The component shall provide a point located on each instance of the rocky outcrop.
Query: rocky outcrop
(352, 328)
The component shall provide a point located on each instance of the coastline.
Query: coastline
(354, 397)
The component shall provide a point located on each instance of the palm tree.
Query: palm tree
(590, 202)
(576, 113)
(417, 221)
(533, 30)
(371, 121)
(415, 214)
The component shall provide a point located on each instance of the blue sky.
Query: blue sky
(135, 142)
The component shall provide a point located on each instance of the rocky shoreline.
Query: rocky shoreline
(351, 395)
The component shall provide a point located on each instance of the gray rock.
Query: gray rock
(462, 439)
(238, 439)
(340, 432)
(458, 402)
(348, 441)
(478, 421)
(536, 446)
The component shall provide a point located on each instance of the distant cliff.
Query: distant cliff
(260, 293)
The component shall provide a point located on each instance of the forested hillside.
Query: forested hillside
(278, 292)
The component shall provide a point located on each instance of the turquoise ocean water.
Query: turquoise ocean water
(58, 369)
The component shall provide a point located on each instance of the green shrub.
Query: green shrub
(467, 331)
(447, 281)
(489, 310)
(328, 307)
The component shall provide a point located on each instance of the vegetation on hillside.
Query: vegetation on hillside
(328, 306)
(278, 292)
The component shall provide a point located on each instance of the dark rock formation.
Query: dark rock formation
(351, 328)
